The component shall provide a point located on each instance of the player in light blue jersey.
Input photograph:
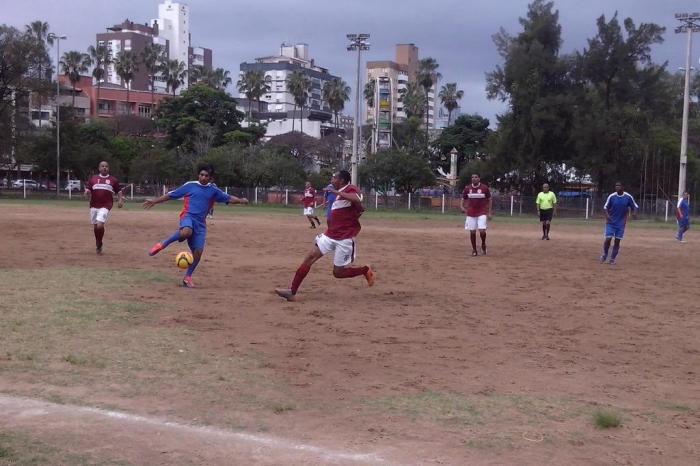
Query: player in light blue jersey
(199, 197)
(617, 208)
(683, 215)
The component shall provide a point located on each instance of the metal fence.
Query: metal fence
(425, 202)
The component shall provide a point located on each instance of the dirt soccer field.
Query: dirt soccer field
(449, 359)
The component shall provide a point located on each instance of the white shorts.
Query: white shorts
(308, 210)
(99, 215)
(474, 223)
(344, 249)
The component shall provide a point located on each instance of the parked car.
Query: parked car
(73, 185)
(29, 184)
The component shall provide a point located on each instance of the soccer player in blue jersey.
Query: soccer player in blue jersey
(683, 215)
(617, 208)
(199, 197)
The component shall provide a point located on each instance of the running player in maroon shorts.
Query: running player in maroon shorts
(100, 190)
(339, 238)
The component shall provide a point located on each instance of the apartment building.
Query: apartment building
(281, 110)
(391, 79)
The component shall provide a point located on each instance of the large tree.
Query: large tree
(625, 96)
(200, 105)
(469, 135)
(73, 65)
(534, 134)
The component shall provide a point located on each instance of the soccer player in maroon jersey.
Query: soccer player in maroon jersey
(478, 210)
(339, 238)
(309, 201)
(100, 190)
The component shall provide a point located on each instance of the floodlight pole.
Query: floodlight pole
(690, 22)
(57, 38)
(357, 42)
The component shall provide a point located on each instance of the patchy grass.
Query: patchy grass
(20, 449)
(457, 409)
(57, 339)
(605, 419)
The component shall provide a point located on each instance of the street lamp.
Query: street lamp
(58, 39)
(690, 23)
(357, 42)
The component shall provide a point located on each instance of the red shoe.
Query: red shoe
(158, 247)
(369, 276)
(286, 294)
(187, 282)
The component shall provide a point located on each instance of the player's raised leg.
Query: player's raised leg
(183, 233)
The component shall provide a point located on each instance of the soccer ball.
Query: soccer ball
(183, 259)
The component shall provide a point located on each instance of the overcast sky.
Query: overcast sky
(455, 32)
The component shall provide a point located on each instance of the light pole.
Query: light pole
(58, 38)
(690, 23)
(357, 42)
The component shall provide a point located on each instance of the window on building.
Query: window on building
(144, 110)
(105, 106)
(123, 108)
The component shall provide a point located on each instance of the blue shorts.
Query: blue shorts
(614, 231)
(199, 232)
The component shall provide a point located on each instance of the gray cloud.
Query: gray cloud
(456, 33)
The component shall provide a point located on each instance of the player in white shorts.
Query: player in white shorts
(338, 239)
(101, 189)
(309, 201)
(478, 209)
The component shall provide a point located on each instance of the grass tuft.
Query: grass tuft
(607, 419)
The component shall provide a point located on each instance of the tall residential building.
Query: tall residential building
(281, 110)
(174, 21)
(391, 79)
(131, 36)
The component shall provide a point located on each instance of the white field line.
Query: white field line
(36, 408)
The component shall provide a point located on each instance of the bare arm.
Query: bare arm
(120, 198)
(237, 200)
(490, 214)
(462, 207)
(148, 203)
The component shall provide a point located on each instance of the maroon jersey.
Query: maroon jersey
(102, 190)
(309, 199)
(478, 199)
(345, 215)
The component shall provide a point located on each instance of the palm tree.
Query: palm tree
(336, 92)
(427, 77)
(101, 58)
(449, 95)
(174, 73)
(413, 100)
(253, 85)
(219, 79)
(126, 65)
(39, 31)
(75, 63)
(196, 74)
(369, 92)
(152, 57)
(299, 85)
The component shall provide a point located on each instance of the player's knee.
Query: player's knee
(337, 271)
(186, 233)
